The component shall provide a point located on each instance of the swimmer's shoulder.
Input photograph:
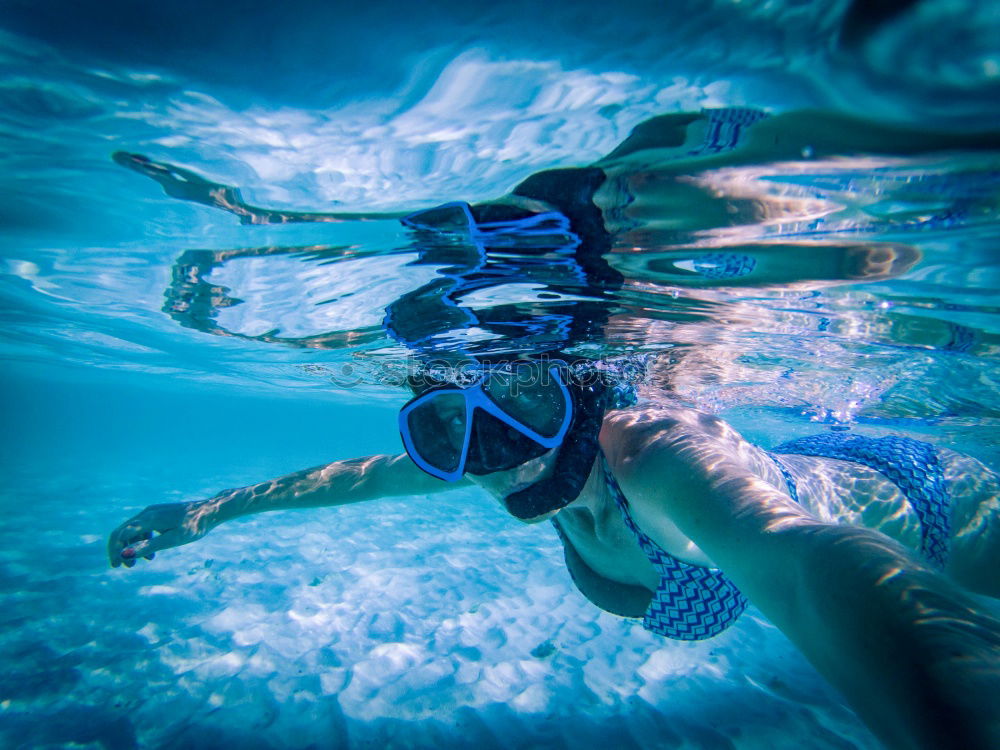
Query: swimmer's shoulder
(643, 434)
(679, 449)
(684, 141)
(665, 131)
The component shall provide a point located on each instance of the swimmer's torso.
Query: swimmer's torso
(829, 490)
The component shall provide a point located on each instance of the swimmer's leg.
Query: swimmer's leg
(809, 263)
(178, 182)
(819, 134)
(974, 561)
(786, 136)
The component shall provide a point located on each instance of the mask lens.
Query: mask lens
(437, 429)
(496, 446)
(531, 395)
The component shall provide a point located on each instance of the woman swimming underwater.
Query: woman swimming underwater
(868, 553)
(854, 547)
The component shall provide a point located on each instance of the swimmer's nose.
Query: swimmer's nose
(128, 553)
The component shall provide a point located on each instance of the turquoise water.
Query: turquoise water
(425, 622)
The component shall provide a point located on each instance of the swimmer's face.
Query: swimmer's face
(500, 484)
(507, 419)
(516, 412)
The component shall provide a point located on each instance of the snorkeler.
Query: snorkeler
(868, 553)
(855, 547)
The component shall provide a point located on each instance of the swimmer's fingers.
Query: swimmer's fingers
(147, 548)
(124, 537)
(158, 170)
(176, 524)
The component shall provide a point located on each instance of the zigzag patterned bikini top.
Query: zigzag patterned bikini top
(693, 602)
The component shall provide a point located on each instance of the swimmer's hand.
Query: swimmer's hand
(159, 527)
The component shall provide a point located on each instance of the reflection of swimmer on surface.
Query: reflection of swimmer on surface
(863, 551)
(728, 196)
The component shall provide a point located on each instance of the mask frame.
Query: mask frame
(476, 397)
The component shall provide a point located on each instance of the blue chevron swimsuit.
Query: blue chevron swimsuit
(693, 602)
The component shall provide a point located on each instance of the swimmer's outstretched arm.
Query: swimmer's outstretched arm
(178, 182)
(916, 658)
(168, 525)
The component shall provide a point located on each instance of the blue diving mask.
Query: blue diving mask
(509, 416)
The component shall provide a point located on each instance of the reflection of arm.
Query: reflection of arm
(184, 184)
(338, 483)
(917, 660)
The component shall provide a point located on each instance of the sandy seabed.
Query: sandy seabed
(408, 623)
